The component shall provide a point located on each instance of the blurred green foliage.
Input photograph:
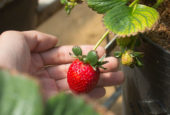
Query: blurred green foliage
(20, 95)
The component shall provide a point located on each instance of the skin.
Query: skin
(35, 53)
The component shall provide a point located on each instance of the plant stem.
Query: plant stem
(101, 39)
(108, 45)
(111, 41)
(133, 3)
(133, 44)
(157, 3)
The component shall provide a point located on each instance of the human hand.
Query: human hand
(35, 53)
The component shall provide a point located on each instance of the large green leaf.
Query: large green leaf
(65, 104)
(126, 21)
(19, 95)
(102, 6)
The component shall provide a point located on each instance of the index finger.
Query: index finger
(60, 55)
(38, 41)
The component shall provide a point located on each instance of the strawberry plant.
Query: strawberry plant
(125, 19)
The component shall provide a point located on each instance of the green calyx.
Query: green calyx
(91, 58)
(77, 51)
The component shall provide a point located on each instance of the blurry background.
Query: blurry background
(82, 26)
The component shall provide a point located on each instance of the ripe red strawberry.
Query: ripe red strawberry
(81, 77)
(83, 73)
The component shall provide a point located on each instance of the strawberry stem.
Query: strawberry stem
(101, 39)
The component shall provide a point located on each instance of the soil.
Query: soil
(161, 33)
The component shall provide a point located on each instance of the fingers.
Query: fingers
(51, 87)
(60, 55)
(111, 66)
(97, 93)
(60, 71)
(38, 41)
(106, 79)
(111, 78)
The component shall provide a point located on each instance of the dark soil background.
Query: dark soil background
(161, 33)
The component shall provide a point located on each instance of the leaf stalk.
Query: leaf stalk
(133, 3)
(101, 39)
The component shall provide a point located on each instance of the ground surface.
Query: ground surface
(83, 26)
(161, 34)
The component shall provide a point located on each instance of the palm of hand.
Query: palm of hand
(34, 53)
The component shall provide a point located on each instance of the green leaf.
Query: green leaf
(92, 57)
(66, 104)
(77, 51)
(117, 54)
(102, 58)
(56, 105)
(138, 62)
(102, 6)
(100, 63)
(126, 21)
(102, 67)
(138, 54)
(19, 95)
